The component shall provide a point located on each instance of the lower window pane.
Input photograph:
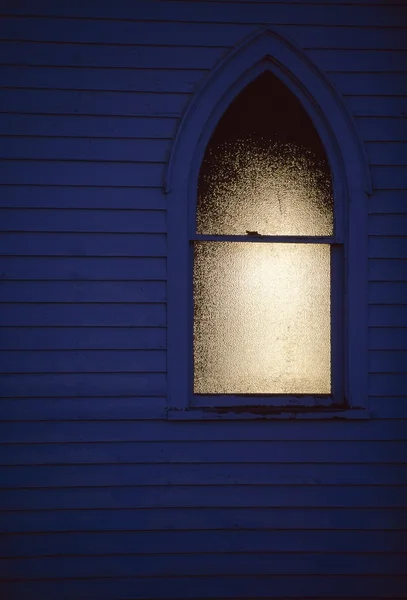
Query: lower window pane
(262, 318)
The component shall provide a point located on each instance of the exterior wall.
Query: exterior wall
(104, 497)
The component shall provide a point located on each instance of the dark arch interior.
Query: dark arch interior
(267, 108)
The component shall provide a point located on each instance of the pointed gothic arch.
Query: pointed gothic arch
(265, 51)
(268, 50)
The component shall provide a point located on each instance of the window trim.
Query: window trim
(267, 50)
(274, 400)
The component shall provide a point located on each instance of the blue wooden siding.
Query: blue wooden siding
(103, 497)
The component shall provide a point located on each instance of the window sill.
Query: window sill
(243, 413)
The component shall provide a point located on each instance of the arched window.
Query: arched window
(265, 232)
(259, 245)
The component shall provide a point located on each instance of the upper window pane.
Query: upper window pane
(265, 169)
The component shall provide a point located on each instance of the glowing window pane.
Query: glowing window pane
(261, 318)
(265, 168)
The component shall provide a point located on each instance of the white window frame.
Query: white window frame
(264, 51)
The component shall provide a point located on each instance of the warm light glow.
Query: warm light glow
(268, 187)
(262, 322)
(262, 318)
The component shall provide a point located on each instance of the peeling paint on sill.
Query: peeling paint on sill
(267, 413)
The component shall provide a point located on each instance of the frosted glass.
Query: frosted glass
(263, 186)
(265, 168)
(261, 318)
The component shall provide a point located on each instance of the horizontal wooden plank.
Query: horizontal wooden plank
(368, 106)
(219, 12)
(83, 292)
(312, 496)
(82, 338)
(387, 338)
(217, 564)
(276, 587)
(201, 565)
(273, 453)
(196, 565)
(73, 125)
(99, 78)
(77, 269)
(130, 32)
(70, 220)
(90, 409)
(82, 244)
(120, 426)
(140, 408)
(387, 201)
(79, 96)
(355, 60)
(88, 361)
(349, 36)
(180, 542)
(86, 384)
(86, 291)
(390, 407)
(387, 270)
(113, 56)
(383, 130)
(144, 409)
(40, 148)
(182, 57)
(382, 84)
(201, 475)
(388, 153)
(388, 292)
(376, 108)
(386, 246)
(156, 81)
(80, 173)
(95, 197)
(389, 225)
(83, 315)
(346, 37)
(388, 316)
(389, 178)
(388, 361)
(203, 519)
(387, 408)
(388, 384)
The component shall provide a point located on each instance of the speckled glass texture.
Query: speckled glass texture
(265, 169)
(262, 316)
